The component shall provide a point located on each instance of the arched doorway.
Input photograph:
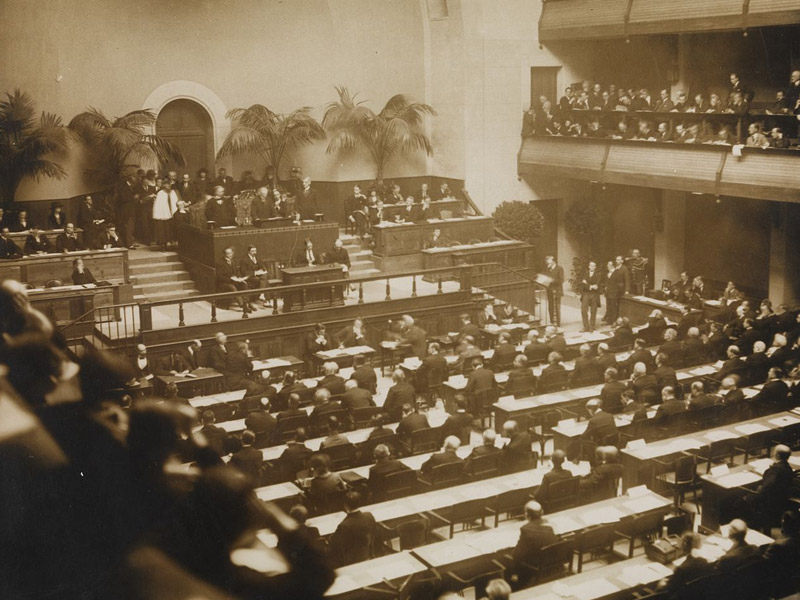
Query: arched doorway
(187, 124)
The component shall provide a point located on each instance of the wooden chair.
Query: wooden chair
(678, 476)
(343, 456)
(409, 533)
(443, 475)
(484, 466)
(594, 540)
(554, 382)
(520, 387)
(640, 527)
(287, 428)
(362, 417)
(422, 440)
(399, 484)
(508, 505)
(462, 513)
(719, 451)
(757, 444)
(562, 495)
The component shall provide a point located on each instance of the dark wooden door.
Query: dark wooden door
(187, 124)
(544, 82)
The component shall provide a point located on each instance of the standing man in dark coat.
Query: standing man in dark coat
(590, 296)
(555, 288)
(414, 336)
(127, 199)
(617, 286)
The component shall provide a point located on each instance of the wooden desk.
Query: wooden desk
(409, 238)
(201, 249)
(37, 269)
(277, 366)
(318, 297)
(455, 206)
(509, 408)
(638, 308)
(352, 579)
(342, 356)
(482, 545)
(511, 253)
(69, 302)
(636, 462)
(720, 491)
(205, 382)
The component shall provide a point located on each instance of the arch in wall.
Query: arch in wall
(196, 92)
(188, 125)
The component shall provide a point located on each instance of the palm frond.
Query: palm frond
(17, 113)
(343, 140)
(137, 119)
(164, 149)
(243, 140)
(40, 168)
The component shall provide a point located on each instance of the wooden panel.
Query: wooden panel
(656, 165)
(766, 175)
(573, 19)
(657, 16)
(576, 158)
(762, 13)
(409, 238)
(109, 265)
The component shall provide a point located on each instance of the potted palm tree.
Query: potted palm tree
(122, 144)
(397, 128)
(25, 142)
(260, 132)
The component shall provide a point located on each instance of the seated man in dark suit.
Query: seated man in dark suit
(290, 385)
(37, 242)
(600, 483)
(325, 485)
(296, 456)
(533, 537)
(434, 363)
(364, 374)
(640, 354)
(459, 423)
(605, 358)
(261, 422)
(740, 552)
(601, 425)
(774, 393)
(323, 406)
(554, 371)
(664, 373)
(468, 328)
(213, 434)
(254, 271)
(554, 475)
(480, 379)
(334, 437)
(307, 257)
(239, 372)
(554, 340)
(352, 335)
(414, 336)
(698, 398)
(412, 421)
(645, 385)
(535, 350)
(757, 364)
(109, 238)
(316, 341)
(773, 495)
(80, 274)
(669, 404)
(488, 448)
(190, 355)
(220, 210)
(8, 248)
(517, 452)
(631, 406)
(672, 347)
(355, 397)
(519, 372)
(331, 379)
(293, 408)
(693, 567)
(623, 334)
(399, 394)
(504, 353)
(734, 365)
(248, 460)
(228, 278)
(68, 241)
(586, 370)
(611, 392)
(355, 537)
(446, 456)
(384, 465)
(379, 427)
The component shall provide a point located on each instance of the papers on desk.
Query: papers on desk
(761, 465)
(458, 382)
(563, 525)
(739, 479)
(751, 428)
(643, 504)
(716, 436)
(270, 363)
(702, 371)
(389, 345)
(412, 363)
(588, 590)
(644, 574)
(784, 421)
(607, 514)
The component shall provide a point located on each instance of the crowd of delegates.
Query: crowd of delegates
(572, 115)
(365, 211)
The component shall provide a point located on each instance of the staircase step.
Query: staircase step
(361, 263)
(360, 253)
(162, 277)
(163, 286)
(157, 267)
(365, 272)
(155, 258)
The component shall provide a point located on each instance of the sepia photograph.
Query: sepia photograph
(399, 299)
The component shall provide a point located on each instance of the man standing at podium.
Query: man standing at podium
(307, 200)
(220, 210)
(307, 258)
(555, 289)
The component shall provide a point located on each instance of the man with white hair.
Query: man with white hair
(740, 551)
(778, 353)
(734, 365)
(414, 336)
(307, 200)
(355, 397)
(694, 351)
(488, 448)
(399, 394)
(446, 456)
(757, 364)
(262, 207)
(331, 379)
(533, 536)
(729, 391)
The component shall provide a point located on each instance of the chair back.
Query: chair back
(413, 534)
(287, 428)
(642, 525)
(342, 456)
(553, 382)
(367, 447)
(554, 559)
(362, 417)
(423, 440)
(510, 504)
(446, 474)
(562, 494)
(685, 469)
(484, 466)
(399, 484)
(596, 537)
(522, 386)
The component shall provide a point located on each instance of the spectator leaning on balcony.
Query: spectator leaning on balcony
(664, 103)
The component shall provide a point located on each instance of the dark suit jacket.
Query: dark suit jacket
(518, 450)
(599, 483)
(503, 356)
(599, 426)
(413, 422)
(557, 274)
(339, 256)
(773, 392)
(8, 248)
(249, 461)
(479, 380)
(378, 473)
(333, 383)
(347, 337)
(83, 278)
(65, 243)
(32, 245)
(366, 378)
(456, 424)
(353, 539)
(261, 422)
(261, 210)
(552, 476)
(532, 538)
(611, 395)
(224, 271)
(248, 268)
(218, 358)
(536, 352)
(668, 408)
(692, 568)
(357, 398)
(478, 452)
(429, 363)
(312, 346)
(399, 394)
(439, 458)
(417, 337)
(223, 214)
(294, 458)
(736, 556)
(701, 401)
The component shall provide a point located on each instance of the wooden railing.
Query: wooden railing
(117, 325)
(333, 289)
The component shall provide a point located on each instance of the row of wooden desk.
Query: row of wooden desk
(397, 239)
(638, 308)
(511, 253)
(37, 269)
